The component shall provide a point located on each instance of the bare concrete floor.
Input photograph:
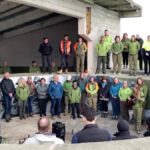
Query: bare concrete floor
(18, 129)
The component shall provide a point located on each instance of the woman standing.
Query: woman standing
(80, 50)
(117, 48)
(138, 107)
(114, 90)
(75, 98)
(103, 96)
(125, 93)
(125, 53)
(133, 55)
(22, 93)
(42, 94)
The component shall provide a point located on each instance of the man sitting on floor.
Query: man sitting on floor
(44, 135)
(91, 132)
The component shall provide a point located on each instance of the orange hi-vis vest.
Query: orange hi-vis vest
(68, 46)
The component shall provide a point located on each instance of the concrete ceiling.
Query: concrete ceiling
(16, 17)
(116, 5)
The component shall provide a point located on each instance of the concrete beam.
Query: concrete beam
(128, 14)
(35, 26)
(22, 18)
(72, 8)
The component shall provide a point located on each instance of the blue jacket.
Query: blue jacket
(114, 89)
(55, 90)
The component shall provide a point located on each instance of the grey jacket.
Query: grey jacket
(42, 91)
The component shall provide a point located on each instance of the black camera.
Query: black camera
(59, 129)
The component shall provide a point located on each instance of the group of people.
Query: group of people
(78, 93)
(65, 47)
(124, 51)
(90, 132)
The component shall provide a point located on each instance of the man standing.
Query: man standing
(92, 90)
(108, 41)
(8, 90)
(56, 93)
(140, 53)
(65, 49)
(101, 49)
(146, 47)
(46, 51)
(91, 132)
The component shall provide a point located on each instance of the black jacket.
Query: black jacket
(7, 86)
(45, 49)
(103, 92)
(146, 134)
(123, 136)
(91, 133)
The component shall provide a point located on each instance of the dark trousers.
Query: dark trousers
(55, 106)
(46, 59)
(101, 60)
(42, 106)
(64, 61)
(29, 104)
(104, 106)
(115, 106)
(147, 62)
(125, 56)
(7, 105)
(108, 59)
(140, 57)
(124, 111)
(75, 108)
(22, 108)
(83, 100)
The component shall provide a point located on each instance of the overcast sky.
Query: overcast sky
(139, 25)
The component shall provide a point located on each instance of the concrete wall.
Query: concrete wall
(140, 144)
(22, 49)
(101, 19)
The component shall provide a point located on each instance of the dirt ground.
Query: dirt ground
(18, 129)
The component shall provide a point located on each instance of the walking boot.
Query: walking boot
(60, 71)
(66, 71)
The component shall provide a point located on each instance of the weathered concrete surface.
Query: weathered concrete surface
(18, 129)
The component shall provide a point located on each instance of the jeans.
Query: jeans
(42, 106)
(55, 106)
(29, 102)
(124, 112)
(46, 59)
(7, 105)
(147, 62)
(115, 106)
(101, 60)
(75, 108)
(125, 56)
(64, 61)
(22, 107)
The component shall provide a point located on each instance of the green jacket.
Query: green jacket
(102, 49)
(75, 95)
(134, 48)
(67, 87)
(23, 93)
(34, 69)
(125, 93)
(140, 101)
(92, 89)
(108, 41)
(117, 47)
(5, 69)
(125, 43)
